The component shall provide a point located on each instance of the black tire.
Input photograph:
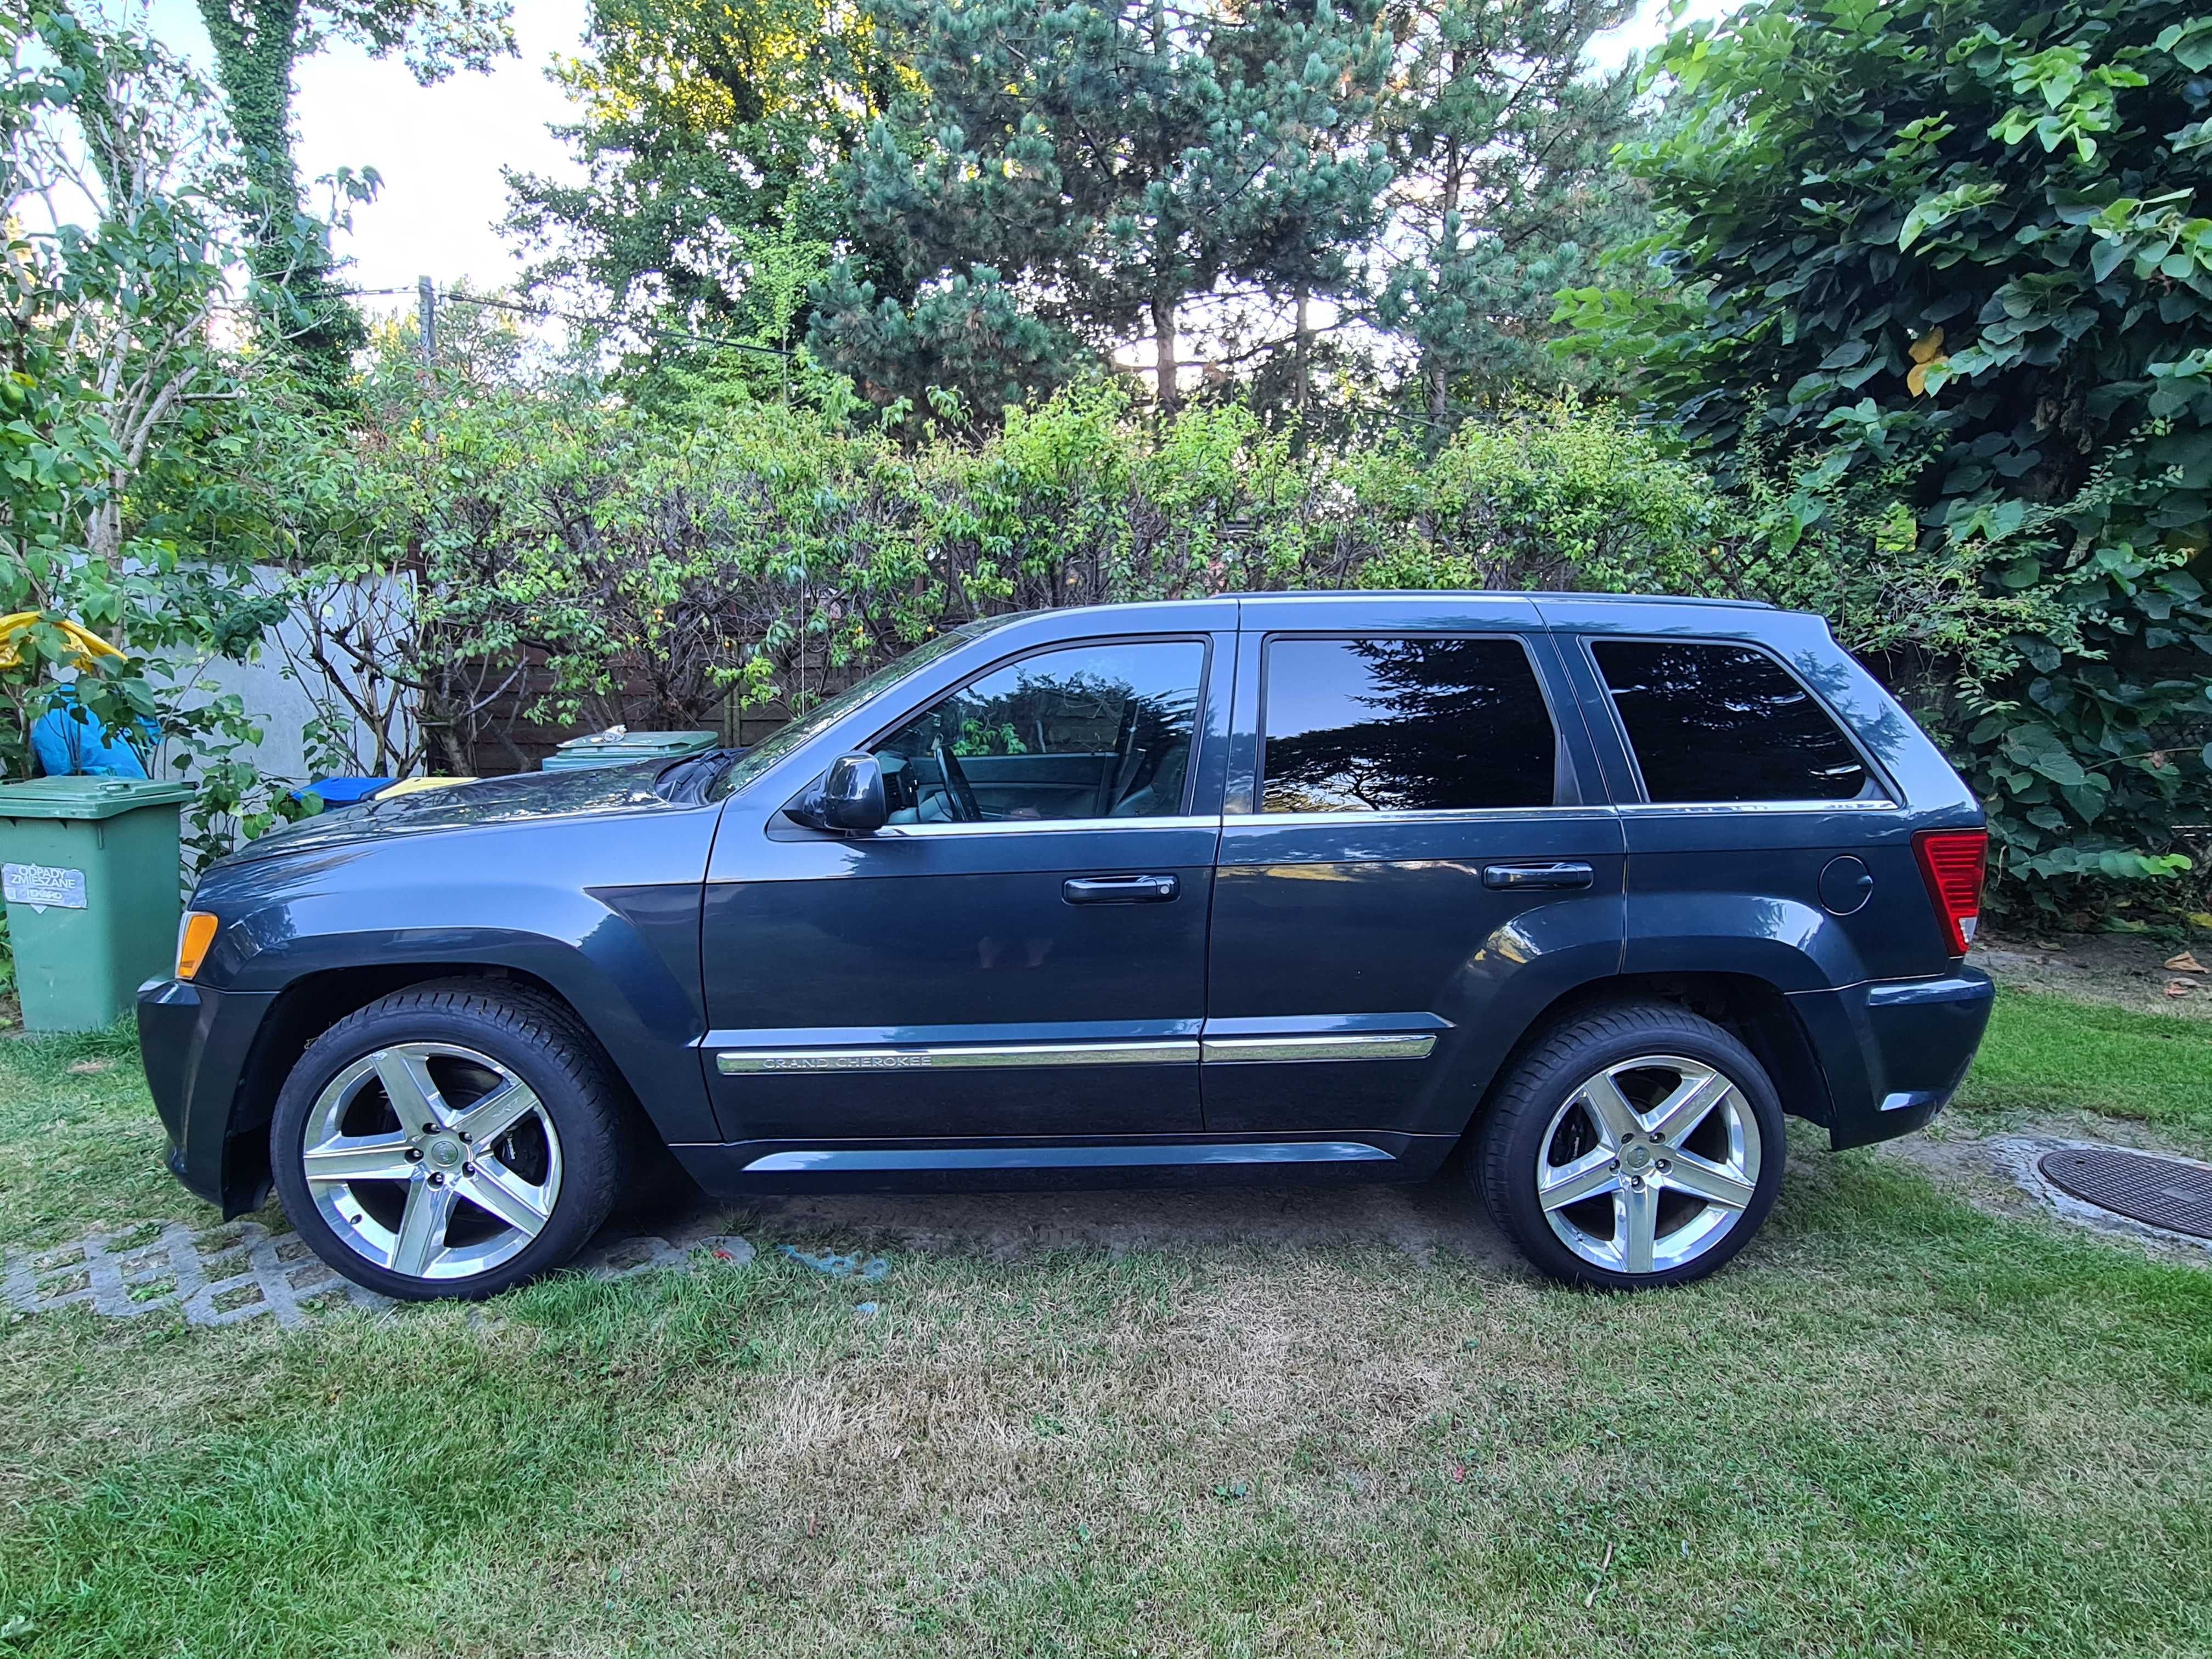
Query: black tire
(1515, 1133)
(531, 1035)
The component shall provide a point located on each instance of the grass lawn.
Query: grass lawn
(1896, 1425)
(2045, 1053)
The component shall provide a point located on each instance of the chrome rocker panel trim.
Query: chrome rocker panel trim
(965, 1056)
(859, 1159)
(954, 1057)
(1347, 1046)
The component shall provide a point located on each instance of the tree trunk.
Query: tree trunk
(1301, 356)
(257, 43)
(1435, 372)
(1166, 370)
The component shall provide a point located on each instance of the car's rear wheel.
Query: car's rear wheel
(448, 1140)
(1634, 1146)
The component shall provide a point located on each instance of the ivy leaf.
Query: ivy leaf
(2190, 43)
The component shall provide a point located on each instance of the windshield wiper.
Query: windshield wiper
(689, 780)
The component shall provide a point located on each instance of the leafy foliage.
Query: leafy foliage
(709, 132)
(1502, 190)
(649, 566)
(1108, 162)
(1948, 256)
(257, 45)
(109, 397)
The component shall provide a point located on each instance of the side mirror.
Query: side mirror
(851, 800)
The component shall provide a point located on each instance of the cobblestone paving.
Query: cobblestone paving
(240, 1271)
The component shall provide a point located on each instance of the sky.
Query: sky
(439, 149)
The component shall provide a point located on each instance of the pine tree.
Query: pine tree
(1096, 165)
(1500, 136)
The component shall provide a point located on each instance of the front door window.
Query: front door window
(1089, 732)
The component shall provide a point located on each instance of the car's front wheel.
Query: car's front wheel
(448, 1140)
(1634, 1146)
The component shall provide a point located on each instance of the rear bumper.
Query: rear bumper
(1893, 1051)
(195, 1041)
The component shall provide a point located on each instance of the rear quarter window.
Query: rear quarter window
(1708, 720)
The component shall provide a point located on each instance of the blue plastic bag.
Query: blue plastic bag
(71, 741)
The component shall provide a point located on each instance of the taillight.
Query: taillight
(1951, 860)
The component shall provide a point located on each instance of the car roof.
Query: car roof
(1368, 607)
(1442, 597)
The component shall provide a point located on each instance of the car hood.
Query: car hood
(526, 798)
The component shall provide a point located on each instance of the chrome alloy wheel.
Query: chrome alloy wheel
(431, 1160)
(1648, 1164)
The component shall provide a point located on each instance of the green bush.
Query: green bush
(770, 553)
(1933, 279)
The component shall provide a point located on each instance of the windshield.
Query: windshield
(765, 753)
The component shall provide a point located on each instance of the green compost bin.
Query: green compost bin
(90, 869)
(619, 748)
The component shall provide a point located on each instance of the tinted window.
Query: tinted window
(1724, 722)
(1093, 730)
(1375, 726)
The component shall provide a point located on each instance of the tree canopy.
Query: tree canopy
(258, 44)
(1952, 252)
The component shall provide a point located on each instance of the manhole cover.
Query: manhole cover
(2158, 1190)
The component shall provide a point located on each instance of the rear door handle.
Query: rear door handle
(1536, 875)
(1120, 890)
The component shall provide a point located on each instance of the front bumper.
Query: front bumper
(195, 1043)
(1894, 1050)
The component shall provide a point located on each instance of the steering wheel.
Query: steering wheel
(956, 782)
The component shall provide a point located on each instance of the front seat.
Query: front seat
(1160, 794)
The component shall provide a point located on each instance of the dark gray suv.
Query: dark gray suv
(1294, 888)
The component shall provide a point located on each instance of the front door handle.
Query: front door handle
(1120, 890)
(1536, 875)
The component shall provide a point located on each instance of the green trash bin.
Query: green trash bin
(617, 748)
(90, 869)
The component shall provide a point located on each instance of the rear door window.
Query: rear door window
(1403, 724)
(1712, 722)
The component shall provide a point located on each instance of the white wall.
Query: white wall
(283, 691)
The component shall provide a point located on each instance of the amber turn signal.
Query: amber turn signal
(193, 938)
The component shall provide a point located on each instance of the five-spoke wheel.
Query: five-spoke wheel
(432, 1160)
(1648, 1164)
(449, 1139)
(1638, 1144)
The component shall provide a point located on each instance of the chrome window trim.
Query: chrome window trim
(1413, 815)
(1033, 826)
(1651, 808)
(1355, 1045)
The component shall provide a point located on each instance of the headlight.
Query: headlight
(194, 934)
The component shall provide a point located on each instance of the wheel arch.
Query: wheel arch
(309, 1006)
(1754, 1011)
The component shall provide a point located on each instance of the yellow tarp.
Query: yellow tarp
(85, 645)
(417, 786)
